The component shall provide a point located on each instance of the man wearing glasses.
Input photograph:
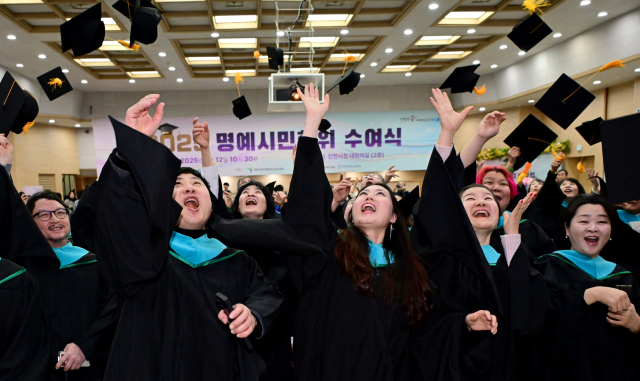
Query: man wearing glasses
(83, 315)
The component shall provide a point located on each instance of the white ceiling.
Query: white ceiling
(569, 18)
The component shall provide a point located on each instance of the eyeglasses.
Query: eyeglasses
(370, 177)
(45, 215)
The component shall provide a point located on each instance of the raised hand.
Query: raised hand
(341, 191)
(555, 162)
(6, 151)
(482, 321)
(479, 165)
(512, 222)
(201, 133)
(514, 153)
(390, 174)
(593, 177)
(490, 125)
(449, 119)
(138, 116)
(315, 110)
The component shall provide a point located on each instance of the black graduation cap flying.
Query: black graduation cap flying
(54, 83)
(462, 80)
(240, 106)
(532, 137)
(19, 109)
(84, 33)
(144, 17)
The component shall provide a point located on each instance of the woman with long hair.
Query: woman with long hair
(366, 292)
(591, 331)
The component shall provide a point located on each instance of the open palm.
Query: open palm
(449, 119)
(138, 116)
(490, 125)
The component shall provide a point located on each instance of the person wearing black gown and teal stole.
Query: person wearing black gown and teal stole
(366, 294)
(24, 333)
(154, 250)
(592, 327)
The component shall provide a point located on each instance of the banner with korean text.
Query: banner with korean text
(263, 144)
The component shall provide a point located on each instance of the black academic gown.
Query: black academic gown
(624, 247)
(168, 327)
(547, 211)
(24, 333)
(340, 334)
(577, 343)
(78, 306)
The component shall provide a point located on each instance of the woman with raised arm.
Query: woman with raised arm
(592, 327)
(155, 252)
(366, 292)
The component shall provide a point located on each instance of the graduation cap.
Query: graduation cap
(144, 22)
(83, 33)
(565, 101)
(529, 32)
(590, 131)
(462, 80)
(276, 57)
(347, 81)
(325, 126)
(54, 83)
(241, 108)
(270, 186)
(19, 110)
(167, 129)
(532, 137)
(620, 153)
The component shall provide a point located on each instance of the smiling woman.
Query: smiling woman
(192, 192)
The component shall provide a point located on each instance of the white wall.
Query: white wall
(86, 148)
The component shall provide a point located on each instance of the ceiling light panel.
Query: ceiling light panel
(398, 68)
(437, 40)
(238, 43)
(330, 20)
(451, 55)
(94, 62)
(341, 57)
(244, 72)
(144, 74)
(465, 18)
(212, 60)
(235, 22)
(318, 42)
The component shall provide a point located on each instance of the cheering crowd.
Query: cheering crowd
(159, 274)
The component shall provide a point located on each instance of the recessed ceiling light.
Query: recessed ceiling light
(280, 34)
(433, 6)
(179, 80)
(361, 75)
(407, 74)
(171, 68)
(226, 79)
(465, 18)
(51, 121)
(494, 66)
(408, 31)
(344, 31)
(215, 35)
(78, 125)
(11, 37)
(132, 81)
(556, 35)
(162, 54)
(482, 109)
(602, 14)
(388, 50)
(531, 101)
(503, 47)
(585, 2)
(597, 82)
(522, 53)
(637, 70)
(42, 56)
(476, 62)
(65, 71)
(84, 81)
(471, 31)
(374, 64)
(19, 65)
(235, 21)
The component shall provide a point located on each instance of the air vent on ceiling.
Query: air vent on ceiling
(234, 4)
(335, 3)
(81, 6)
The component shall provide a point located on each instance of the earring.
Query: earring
(566, 236)
(610, 239)
(390, 231)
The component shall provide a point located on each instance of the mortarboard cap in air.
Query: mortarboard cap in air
(84, 33)
(529, 32)
(325, 126)
(565, 101)
(19, 109)
(167, 129)
(590, 131)
(347, 82)
(144, 22)
(462, 80)
(532, 137)
(241, 108)
(276, 57)
(270, 187)
(620, 139)
(54, 83)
